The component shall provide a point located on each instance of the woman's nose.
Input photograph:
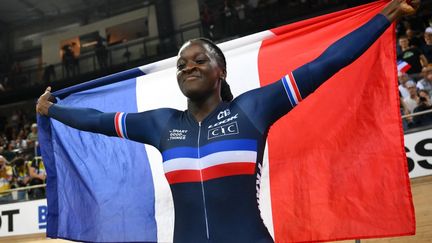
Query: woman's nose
(190, 66)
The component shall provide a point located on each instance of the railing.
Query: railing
(417, 114)
(132, 53)
(22, 194)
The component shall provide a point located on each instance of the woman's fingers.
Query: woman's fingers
(409, 7)
(44, 102)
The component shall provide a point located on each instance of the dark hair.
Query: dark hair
(226, 94)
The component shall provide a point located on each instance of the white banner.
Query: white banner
(23, 218)
(418, 148)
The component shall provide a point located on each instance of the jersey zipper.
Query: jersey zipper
(202, 182)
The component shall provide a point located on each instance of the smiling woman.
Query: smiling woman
(201, 75)
(212, 152)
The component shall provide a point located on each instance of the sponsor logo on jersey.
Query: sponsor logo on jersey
(224, 130)
(224, 121)
(223, 114)
(177, 134)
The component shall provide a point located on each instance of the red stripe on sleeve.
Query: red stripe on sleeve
(116, 124)
(294, 85)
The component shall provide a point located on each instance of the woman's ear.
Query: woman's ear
(224, 74)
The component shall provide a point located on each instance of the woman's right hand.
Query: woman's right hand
(44, 103)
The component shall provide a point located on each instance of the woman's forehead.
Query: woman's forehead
(194, 48)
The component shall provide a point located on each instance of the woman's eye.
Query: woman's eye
(200, 61)
(180, 66)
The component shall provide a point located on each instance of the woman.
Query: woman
(212, 152)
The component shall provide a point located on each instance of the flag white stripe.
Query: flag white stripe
(241, 52)
(218, 158)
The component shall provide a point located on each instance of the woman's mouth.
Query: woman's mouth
(191, 78)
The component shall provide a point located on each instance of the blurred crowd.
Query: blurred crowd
(20, 163)
(11, 73)
(414, 54)
(227, 19)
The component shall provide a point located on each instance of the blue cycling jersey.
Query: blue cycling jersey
(213, 166)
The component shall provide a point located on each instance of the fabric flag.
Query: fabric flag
(334, 167)
(403, 66)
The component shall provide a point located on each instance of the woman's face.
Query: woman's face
(198, 72)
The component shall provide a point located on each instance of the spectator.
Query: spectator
(412, 100)
(403, 79)
(21, 141)
(426, 96)
(414, 40)
(68, 60)
(101, 53)
(9, 153)
(404, 111)
(427, 47)
(5, 180)
(37, 177)
(16, 75)
(426, 81)
(75, 59)
(230, 18)
(413, 56)
(207, 22)
(21, 176)
(240, 9)
(49, 74)
(423, 105)
(32, 138)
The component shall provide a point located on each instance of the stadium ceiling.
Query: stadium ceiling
(20, 13)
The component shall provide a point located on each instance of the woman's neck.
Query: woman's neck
(202, 108)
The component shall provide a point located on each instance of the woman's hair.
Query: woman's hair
(226, 94)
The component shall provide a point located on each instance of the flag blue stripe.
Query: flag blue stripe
(112, 176)
(221, 146)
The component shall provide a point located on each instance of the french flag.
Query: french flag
(403, 66)
(334, 168)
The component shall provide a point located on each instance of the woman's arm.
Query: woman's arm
(347, 49)
(307, 78)
(144, 127)
(84, 119)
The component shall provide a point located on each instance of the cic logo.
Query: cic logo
(224, 130)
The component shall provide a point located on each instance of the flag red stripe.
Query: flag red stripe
(214, 172)
(336, 161)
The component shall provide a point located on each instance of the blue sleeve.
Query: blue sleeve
(267, 104)
(339, 55)
(144, 127)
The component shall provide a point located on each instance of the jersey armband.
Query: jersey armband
(120, 124)
(291, 89)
